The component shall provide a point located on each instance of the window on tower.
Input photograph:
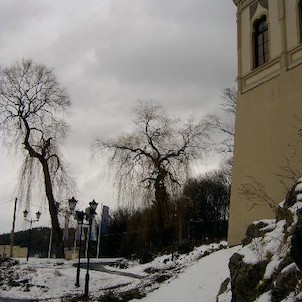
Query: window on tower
(261, 42)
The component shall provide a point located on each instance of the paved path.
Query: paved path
(199, 282)
(99, 266)
(15, 300)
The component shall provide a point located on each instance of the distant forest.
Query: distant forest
(39, 242)
(200, 215)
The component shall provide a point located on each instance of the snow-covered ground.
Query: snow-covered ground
(200, 282)
(191, 277)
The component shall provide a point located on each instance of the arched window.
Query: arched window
(261, 42)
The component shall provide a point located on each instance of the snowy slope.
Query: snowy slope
(200, 282)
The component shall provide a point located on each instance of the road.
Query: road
(99, 266)
(15, 300)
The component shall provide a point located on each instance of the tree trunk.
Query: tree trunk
(58, 243)
(161, 197)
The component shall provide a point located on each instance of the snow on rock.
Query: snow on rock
(272, 266)
(266, 297)
(260, 247)
(298, 187)
(268, 267)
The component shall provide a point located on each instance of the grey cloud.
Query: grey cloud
(110, 53)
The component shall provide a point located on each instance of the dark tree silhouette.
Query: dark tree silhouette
(208, 196)
(155, 158)
(32, 104)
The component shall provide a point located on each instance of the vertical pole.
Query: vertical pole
(66, 225)
(98, 241)
(99, 236)
(74, 241)
(29, 241)
(77, 284)
(13, 231)
(86, 246)
(50, 243)
(86, 294)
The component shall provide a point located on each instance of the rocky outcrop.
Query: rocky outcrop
(296, 241)
(245, 278)
(255, 230)
(269, 265)
(286, 282)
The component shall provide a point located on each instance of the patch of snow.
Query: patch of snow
(270, 226)
(249, 254)
(225, 297)
(274, 239)
(289, 268)
(298, 187)
(259, 248)
(281, 204)
(299, 197)
(266, 297)
(266, 221)
(272, 266)
(296, 206)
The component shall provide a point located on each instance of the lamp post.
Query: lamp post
(25, 213)
(89, 213)
(72, 202)
(79, 216)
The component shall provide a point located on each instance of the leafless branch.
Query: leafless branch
(158, 150)
(254, 191)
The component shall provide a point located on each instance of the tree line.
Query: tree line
(198, 216)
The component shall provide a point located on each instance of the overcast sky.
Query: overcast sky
(109, 54)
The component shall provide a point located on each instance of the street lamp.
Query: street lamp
(89, 213)
(72, 204)
(93, 205)
(25, 214)
(79, 216)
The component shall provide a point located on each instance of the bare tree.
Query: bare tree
(254, 190)
(225, 125)
(32, 105)
(155, 158)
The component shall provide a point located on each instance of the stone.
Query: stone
(245, 278)
(254, 230)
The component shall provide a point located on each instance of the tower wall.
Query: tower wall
(268, 148)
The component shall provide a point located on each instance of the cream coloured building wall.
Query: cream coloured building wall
(18, 252)
(269, 102)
